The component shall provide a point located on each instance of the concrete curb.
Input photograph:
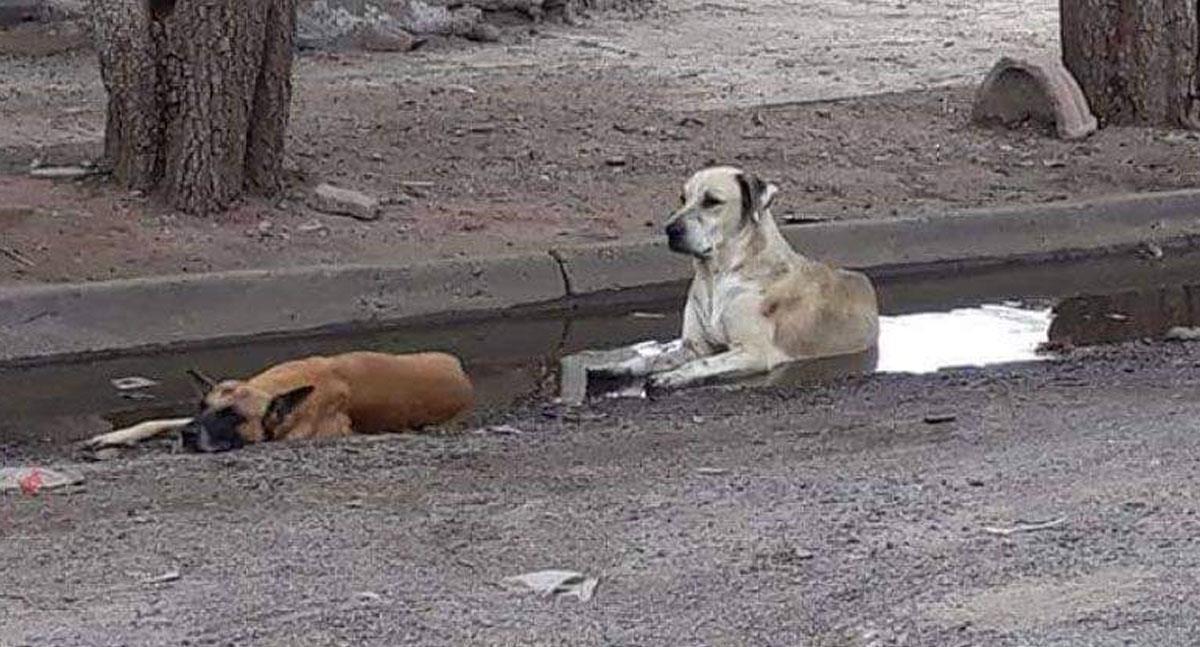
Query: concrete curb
(888, 245)
(46, 320)
(38, 323)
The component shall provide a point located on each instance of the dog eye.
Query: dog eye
(682, 199)
(711, 201)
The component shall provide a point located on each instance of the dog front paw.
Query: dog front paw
(660, 382)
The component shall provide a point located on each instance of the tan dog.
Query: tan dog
(754, 303)
(318, 397)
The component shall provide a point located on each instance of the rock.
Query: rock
(1017, 90)
(15, 12)
(483, 33)
(385, 38)
(344, 202)
(332, 24)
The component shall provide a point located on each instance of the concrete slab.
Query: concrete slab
(70, 319)
(1043, 90)
(610, 267)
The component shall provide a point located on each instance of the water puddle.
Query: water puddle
(989, 334)
(961, 318)
(922, 342)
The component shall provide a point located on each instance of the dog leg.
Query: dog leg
(135, 434)
(648, 357)
(731, 364)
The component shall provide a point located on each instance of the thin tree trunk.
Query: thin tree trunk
(1137, 61)
(199, 95)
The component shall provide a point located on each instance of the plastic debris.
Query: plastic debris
(554, 583)
(132, 383)
(32, 480)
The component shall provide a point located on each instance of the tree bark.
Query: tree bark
(1137, 61)
(198, 96)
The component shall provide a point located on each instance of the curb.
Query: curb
(44, 322)
(885, 247)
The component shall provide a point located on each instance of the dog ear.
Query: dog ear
(757, 195)
(768, 196)
(281, 406)
(203, 382)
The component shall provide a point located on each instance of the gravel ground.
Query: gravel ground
(569, 135)
(834, 516)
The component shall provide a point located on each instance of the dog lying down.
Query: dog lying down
(317, 397)
(754, 303)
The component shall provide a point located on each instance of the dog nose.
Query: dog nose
(674, 229)
(190, 435)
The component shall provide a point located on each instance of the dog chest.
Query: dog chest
(719, 306)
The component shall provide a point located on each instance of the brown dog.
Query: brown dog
(318, 397)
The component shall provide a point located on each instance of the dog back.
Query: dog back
(390, 393)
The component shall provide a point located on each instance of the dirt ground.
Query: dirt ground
(832, 517)
(571, 135)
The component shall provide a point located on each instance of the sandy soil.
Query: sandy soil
(834, 516)
(565, 135)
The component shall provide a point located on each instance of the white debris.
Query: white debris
(11, 478)
(554, 583)
(169, 576)
(61, 172)
(132, 383)
(1183, 333)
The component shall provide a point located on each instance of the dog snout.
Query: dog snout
(190, 436)
(675, 229)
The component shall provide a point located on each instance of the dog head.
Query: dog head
(717, 204)
(234, 413)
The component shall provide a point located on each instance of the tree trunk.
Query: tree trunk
(1136, 60)
(198, 96)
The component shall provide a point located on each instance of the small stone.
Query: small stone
(484, 33)
(60, 172)
(616, 161)
(940, 418)
(1150, 250)
(313, 227)
(106, 454)
(377, 38)
(344, 202)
